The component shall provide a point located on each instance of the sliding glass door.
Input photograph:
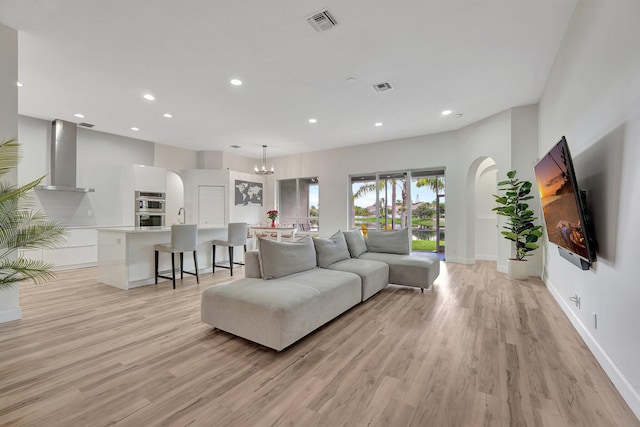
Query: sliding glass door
(428, 210)
(412, 199)
(298, 203)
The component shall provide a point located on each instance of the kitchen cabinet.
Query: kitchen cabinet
(80, 249)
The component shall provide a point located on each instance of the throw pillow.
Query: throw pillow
(278, 259)
(331, 250)
(390, 242)
(355, 242)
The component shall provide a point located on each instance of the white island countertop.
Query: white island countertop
(133, 230)
(126, 254)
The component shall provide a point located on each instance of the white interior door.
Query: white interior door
(211, 205)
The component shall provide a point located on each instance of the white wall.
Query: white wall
(592, 97)
(9, 309)
(174, 158)
(209, 159)
(102, 161)
(234, 162)
(248, 214)
(457, 152)
(524, 150)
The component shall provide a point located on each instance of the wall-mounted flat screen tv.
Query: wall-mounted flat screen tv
(563, 204)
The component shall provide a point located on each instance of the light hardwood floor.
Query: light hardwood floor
(476, 350)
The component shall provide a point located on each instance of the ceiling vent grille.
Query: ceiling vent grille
(322, 21)
(381, 87)
(86, 125)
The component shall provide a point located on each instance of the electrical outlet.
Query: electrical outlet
(595, 320)
(576, 300)
(89, 213)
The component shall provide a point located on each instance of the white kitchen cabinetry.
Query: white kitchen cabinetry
(148, 178)
(79, 250)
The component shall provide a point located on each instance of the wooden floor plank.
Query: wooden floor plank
(478, 349)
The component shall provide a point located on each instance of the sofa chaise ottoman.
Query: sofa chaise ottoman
(408, 269)
(291, 289)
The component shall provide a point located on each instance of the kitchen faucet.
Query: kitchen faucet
(184, 216)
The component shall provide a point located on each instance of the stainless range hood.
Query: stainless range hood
(63, 158)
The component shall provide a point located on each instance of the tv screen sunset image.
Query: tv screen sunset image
(559, 202)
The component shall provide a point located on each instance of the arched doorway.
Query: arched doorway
(174, 199)
(482, 238)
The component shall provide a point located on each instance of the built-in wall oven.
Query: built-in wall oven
(149, 209)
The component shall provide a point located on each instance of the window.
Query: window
(395, 200)
(299, 203)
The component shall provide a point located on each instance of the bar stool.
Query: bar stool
(184, 238)
(236, 236)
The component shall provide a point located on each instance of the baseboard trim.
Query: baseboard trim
(461, 260)
(10, 315)
(624, 387)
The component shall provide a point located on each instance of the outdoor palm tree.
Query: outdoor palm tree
(22, 227)
(370, 187)
(434, 182)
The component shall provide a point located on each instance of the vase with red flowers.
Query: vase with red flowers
(272, 215)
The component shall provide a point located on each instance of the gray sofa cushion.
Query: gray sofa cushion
(355, 242)
(374, 274)
(389, 242)
(278, 259)
(419, 270)
(252, 265)
(331, 250)
(277, 313)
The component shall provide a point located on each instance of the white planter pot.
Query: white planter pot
(9, 309)
(518, 270)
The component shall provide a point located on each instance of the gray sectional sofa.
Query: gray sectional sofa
(291, 289)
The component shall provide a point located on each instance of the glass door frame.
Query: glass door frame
(408, 177)
(381, 176)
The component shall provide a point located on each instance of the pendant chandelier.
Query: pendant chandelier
(263, 170)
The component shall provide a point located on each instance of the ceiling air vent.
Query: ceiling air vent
(86, 125)
(322, 21)
(381, 87)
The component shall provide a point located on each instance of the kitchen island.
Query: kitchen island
(126, 254)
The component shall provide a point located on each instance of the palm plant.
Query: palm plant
(395, 183)
(22, 227)
(433, 182)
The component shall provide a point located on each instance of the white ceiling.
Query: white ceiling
(100, 57)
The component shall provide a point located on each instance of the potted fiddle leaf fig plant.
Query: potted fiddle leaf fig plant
(520, 226)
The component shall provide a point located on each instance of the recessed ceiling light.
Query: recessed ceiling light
(446, 112)
(235, 146)
(351, 79)
(313, 121)
(135, 129)
(149, 97)
(18, 84)
(78, 115)
(457, 116)
(378, 124)
(167, 115)
(236, 82)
